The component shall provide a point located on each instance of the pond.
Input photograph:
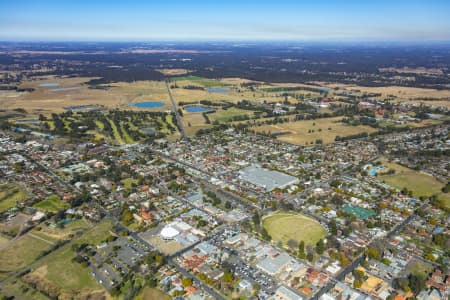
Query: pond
(198, 109)
(148, 130)
(64, 89)
(32, 121)
(324, 89)
(147, 104)
(217, 90)
(48, 84)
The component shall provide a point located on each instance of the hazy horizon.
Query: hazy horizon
(200, 20)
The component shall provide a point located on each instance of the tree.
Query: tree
(186, 282)
(310, 256)
(292, 244)
(416, 283)
(333, 227)
(320, 247)
(228, 205)
(256, 220)
(265, 235)
(201, 223)
(357, 283)
(301, 250)
(228, 277)
(301, 246)
(373, 253)
(127, 216)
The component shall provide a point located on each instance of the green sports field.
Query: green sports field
(292, 226)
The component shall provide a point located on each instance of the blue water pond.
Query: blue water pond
(147, 104)
(48, 84)
(198, 109)
(217, 90)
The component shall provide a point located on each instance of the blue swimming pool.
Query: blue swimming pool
(198, 109)
(217, 90)
(373, 172)
(147, 104)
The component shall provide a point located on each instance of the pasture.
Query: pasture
(309, 131)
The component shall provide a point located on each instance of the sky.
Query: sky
(190, 20)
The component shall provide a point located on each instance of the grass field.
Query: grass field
(404, 94)
(445, 199)
(20, 253)
(59, 269)
(301, 132)
(291, 226)
(174, 72)
(417, 267)
(227, 115)
(9, 195)
(419, 183)
(205, 82)
(3, 241)
(23, 291)
(119, 95)
(55, 233)
(96, 235)
(152, 293)
(235, 91)
(52, 204)
(128, 182)
(66, 274)
(193, 122)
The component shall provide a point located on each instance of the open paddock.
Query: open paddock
(309, 131)
(75, 92)
(10, 194)
(419, 183)
(51, 204)
(57, 270)
(21, 252)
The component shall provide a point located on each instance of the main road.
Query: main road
(175, 110)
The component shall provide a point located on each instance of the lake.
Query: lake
(198, 109)
(217, 90)
(147, 104)
(48, 84)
